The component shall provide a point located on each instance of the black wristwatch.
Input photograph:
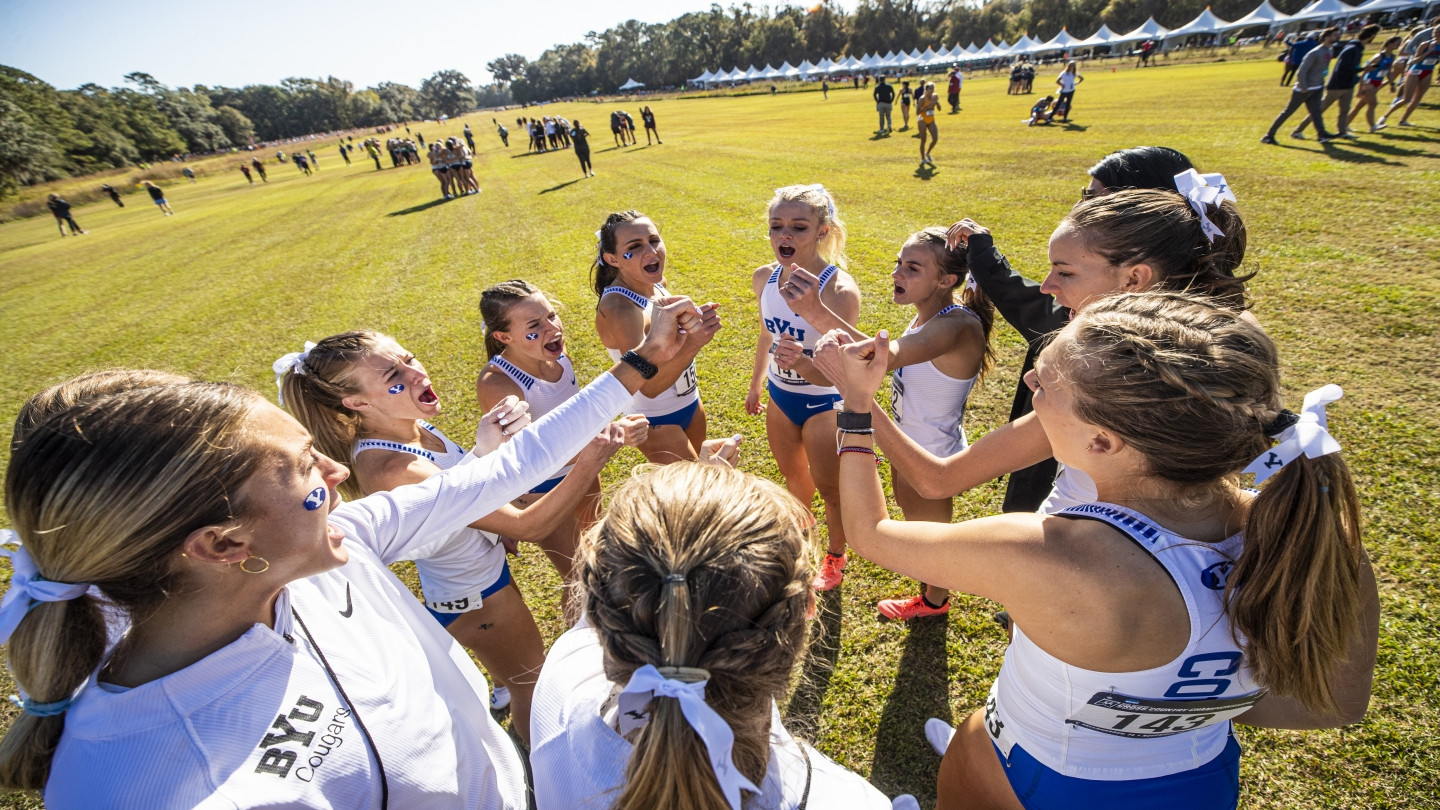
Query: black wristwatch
(646, 368)
(849, 420)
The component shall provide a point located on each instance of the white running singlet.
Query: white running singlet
(684, 392)
(542, 396)
(451, 578)
(781, 321)
(929, 404)
(1133, 725)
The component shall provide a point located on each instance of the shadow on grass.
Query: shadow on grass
(904, 761)
(1394, 151)
(926, 172)
(1333, 151)
(562, 185)
(802, 714)
(415, 209)
(1070, 127)
(880, 136)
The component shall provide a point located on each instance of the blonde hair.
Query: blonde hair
(105, 492)
(315, 397)
(698, 565)
(822, 204)
(86, 386)
(1194, 388)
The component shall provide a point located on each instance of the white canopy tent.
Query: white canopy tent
(1204, 23)
(1059, 42)
(1099, 39)
(1149, 30)
(1264, 14)
(789, 71)
(972, 49)
(1023, 45)
(1322, 10)
(804, 69)
(631, 85)
(707, 76)
(1382, 6)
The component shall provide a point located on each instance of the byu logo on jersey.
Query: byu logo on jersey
(780, 326)
(315, 499)
(1214, 576)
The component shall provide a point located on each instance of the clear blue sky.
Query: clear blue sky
(70, 42)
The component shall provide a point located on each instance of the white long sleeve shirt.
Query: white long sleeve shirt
(274, 719)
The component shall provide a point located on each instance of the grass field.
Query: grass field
(1344, 239)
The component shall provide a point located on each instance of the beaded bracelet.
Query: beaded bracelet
(854, 449)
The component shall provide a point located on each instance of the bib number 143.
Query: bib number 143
(1123, 716)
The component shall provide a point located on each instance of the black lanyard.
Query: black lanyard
(355, 711)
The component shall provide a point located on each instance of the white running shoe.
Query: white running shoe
(500, 699)
(938, 733)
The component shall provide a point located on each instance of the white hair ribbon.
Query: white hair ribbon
(829, 198)
(648, 683)
(28, 588)
(294, 361)
(1308, 436)
(1202, 190)
(970, 281)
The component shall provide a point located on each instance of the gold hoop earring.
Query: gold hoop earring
(257, 571)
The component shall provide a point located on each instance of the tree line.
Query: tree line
(668, 54)
(47, 133)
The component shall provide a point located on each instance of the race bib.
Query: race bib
(788, 375)
(897, 397)
(688, 381)
(460, 605)
(1122, 716)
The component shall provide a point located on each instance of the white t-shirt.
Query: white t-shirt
(578, 760)
(1067, 82)
(261, 722)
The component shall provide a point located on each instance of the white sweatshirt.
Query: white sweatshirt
(260, 722)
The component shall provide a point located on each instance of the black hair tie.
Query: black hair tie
(1282, 422)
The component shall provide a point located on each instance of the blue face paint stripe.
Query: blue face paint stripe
(397, 388)
(315, 499)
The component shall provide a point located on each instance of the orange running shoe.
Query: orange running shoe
(913, 608)
(832, 571)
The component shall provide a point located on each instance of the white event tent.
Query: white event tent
(1059, 42)
(1264, 14)
(1322, 10)
(1098, 39)
(1205, 23)
(631, 85)
(1148, 30)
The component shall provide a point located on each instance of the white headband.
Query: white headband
(1309, 435)
(28, 588)
(293, 362)
(647, 683)
(1203, 190)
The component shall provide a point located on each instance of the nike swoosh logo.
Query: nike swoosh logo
(349, 606)
(810, 407)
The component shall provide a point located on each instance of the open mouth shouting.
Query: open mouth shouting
(555, 347)
(428, 396)
(786, 252)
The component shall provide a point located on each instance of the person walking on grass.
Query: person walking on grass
(114, 195)
(1067, 80)
(648, 117)
(1295, 55)
(884, 95)
(581, 138)
(1377, 72)
(925, 110)
(158, 195)
(61, 209)
(1417, 82)
(245, 170)
(1343, 79)
(345, 153)
(906, 97)
(1309, 85)
(953, 91)
(259, 169)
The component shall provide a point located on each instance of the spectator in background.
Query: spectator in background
(113, 194)
(1343, 79)
(314, 161)
(647, 116)
(157, 194)
(581, 138)
(954, 90)
(884, 96)
(1309, 86)
(260, 169)
(1298, 49)
(345, 153)
(1146, 48)
(504, 134)
(245, 170)
(61, 210)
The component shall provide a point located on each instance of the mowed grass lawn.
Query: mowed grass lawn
(1344, 239)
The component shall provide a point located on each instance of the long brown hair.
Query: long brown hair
(700, 566)
(957, 263)
(314, 396)
(1194, 389)
(495, 303)
(1158, 227)
(105, 492)
(86, 386)
(602, 273)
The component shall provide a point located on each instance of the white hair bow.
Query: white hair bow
(295, 362)
(1308, 436)
(1203, 190)
(647, 683)
(970, 281)
(27, 587)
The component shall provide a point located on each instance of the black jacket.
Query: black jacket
(884, 93)
(1034, 315)
(1345, 73)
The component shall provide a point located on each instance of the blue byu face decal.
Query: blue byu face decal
(532, 335)
(397, 388)
(315, 499)
(630, 255)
